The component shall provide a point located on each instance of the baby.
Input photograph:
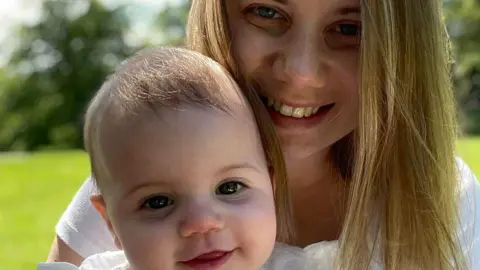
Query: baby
(189, 177)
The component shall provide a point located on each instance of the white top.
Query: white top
(82, 228)
(284, 257)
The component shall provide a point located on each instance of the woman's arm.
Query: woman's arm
(81, 232)
(61, 252)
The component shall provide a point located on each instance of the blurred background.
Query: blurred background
(55, 54)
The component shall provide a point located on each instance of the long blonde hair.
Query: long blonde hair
(402, 173)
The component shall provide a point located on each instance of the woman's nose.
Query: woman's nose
(201, 219)
(302, 63)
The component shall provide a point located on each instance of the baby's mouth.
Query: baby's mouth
(209, 261)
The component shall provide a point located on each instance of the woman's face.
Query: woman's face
(303, 54)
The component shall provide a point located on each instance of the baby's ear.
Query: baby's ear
(99, 203)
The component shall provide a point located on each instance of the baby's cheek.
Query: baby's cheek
(146, 245)
(254, 226)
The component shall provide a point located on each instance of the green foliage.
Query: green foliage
(463, 18)
(172, 21)
(59, 64)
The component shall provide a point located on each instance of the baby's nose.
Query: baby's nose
(201, 220)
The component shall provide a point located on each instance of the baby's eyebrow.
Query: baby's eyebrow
(148, 186)
(236, 166)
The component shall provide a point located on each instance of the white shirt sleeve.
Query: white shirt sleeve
(469, 214)
(115, 260)
(109, 260)
(81, 226)
(56, 266)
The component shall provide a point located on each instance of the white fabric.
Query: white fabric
(469, 231)
(110, 260)
(83, 230)
(283, 257)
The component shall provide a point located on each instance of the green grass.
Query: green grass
(469, 150)
(35, 189)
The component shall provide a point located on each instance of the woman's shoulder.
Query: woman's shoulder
(469, 213)
(81, 227)
(467, 178)
(469, 191)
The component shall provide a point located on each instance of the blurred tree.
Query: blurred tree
(463, 19)
(59, 64)
(171, 21)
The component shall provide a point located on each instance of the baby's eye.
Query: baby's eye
(157, 202)
(229, 188)
(266, 12)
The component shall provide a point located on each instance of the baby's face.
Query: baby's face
(190, 190)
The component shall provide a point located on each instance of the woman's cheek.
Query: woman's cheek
(252, 47)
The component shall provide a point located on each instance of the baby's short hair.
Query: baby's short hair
(167, 77)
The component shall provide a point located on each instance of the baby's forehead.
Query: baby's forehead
(118, 124)
(185, 135)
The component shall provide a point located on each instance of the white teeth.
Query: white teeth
(298, 112)
(286, 110)
(308, 111)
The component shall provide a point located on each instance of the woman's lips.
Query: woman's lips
(289, 122)
(209, 261)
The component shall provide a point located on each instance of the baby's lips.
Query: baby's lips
(209, 261)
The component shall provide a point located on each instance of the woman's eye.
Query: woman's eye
(269, 19)
(229, 188)
(157, 202)
(344, 35)
(348, 29)
(266, 12)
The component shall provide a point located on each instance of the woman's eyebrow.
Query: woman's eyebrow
(348, 10)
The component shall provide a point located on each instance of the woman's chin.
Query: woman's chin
(296, 147)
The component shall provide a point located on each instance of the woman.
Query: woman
(360, 94)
